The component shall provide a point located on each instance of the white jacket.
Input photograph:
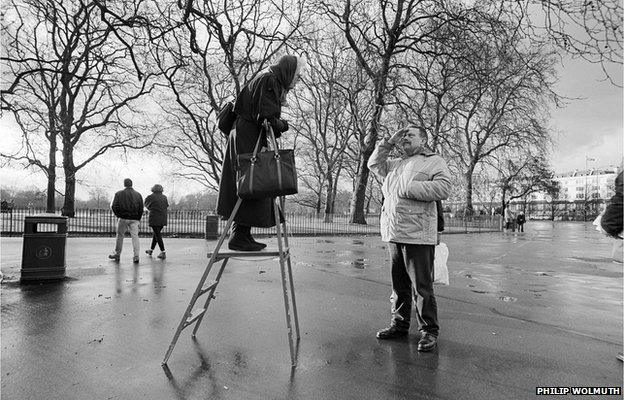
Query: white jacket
(411, 187)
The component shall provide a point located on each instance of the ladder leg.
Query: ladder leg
(284, 283)
(210, 294)
(201, 284)
(189, 308)
(290, 278)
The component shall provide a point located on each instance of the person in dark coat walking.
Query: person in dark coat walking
(261, 99)
(157, 204)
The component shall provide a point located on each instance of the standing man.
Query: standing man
(128, 207)
(520, 220)
(409, 220)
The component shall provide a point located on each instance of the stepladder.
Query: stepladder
(207, 285)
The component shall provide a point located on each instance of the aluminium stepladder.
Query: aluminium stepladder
(195, 316)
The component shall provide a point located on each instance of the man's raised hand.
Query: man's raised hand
(398, 135)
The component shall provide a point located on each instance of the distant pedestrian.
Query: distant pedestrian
(520, 220)
(412, 185)
(157, 204)
(509, 219)
(127, 205)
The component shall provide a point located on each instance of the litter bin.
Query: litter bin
(43, 253)
(212, 227)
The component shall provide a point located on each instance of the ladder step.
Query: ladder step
(198, 312)
(260, 253)
(209, 287)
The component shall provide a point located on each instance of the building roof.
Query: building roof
(589, 172)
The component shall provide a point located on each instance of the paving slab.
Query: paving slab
(542, 308)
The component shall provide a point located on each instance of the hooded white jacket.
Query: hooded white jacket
(411, 186)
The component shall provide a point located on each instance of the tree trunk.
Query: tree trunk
(335, 190)
(468, 177)
(329, 203)
(359, 194)
(356, 208)
(319, 203)
(70, 180)
(51, 191)
(504, 202)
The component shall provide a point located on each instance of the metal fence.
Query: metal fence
(192, 223)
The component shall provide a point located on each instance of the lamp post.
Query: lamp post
(585, 193)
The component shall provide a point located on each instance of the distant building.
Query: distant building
(582, 195)
(582, 185)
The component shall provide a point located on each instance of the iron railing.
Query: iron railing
(192, 223)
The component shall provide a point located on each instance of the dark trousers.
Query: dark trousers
(157, 238)
(412, 276)
(521, 227)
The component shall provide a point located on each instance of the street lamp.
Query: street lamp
(585, 193)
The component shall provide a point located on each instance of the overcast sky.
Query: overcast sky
(589, 127)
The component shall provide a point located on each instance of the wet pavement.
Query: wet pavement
(543, 308)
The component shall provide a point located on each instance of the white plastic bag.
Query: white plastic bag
(440, 270)
(596, 223)
(618, 250)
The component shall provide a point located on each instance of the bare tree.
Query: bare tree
(325, 127)
(591, 30)
(75, 79)
(207, 52)
(522, 175)
(381, 34)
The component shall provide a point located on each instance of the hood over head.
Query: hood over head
(286, 69)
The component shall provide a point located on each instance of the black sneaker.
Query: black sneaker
(240, 243)
(391, 332)
(427, 342)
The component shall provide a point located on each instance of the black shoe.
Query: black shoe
(391, 332)
(252, 240)
(241, 243)
(427, 342)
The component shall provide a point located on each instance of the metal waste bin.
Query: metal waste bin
(43, 253)
(212, 227)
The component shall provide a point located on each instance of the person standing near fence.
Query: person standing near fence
(261, 99)
(157, 204)
(127, 205)
(409, 222)
(509, 219)
(521, 220)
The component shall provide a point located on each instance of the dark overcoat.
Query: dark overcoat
(611, 220)
(157, 204)
(260, 99)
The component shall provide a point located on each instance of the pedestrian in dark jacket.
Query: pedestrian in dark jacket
(520, 220)
(157, 204)
(261, 99)
(127, 205)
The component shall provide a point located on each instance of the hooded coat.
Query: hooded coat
(260, 99)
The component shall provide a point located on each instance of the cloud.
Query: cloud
(591, 126)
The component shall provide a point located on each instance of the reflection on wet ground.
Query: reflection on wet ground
(520, 308)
